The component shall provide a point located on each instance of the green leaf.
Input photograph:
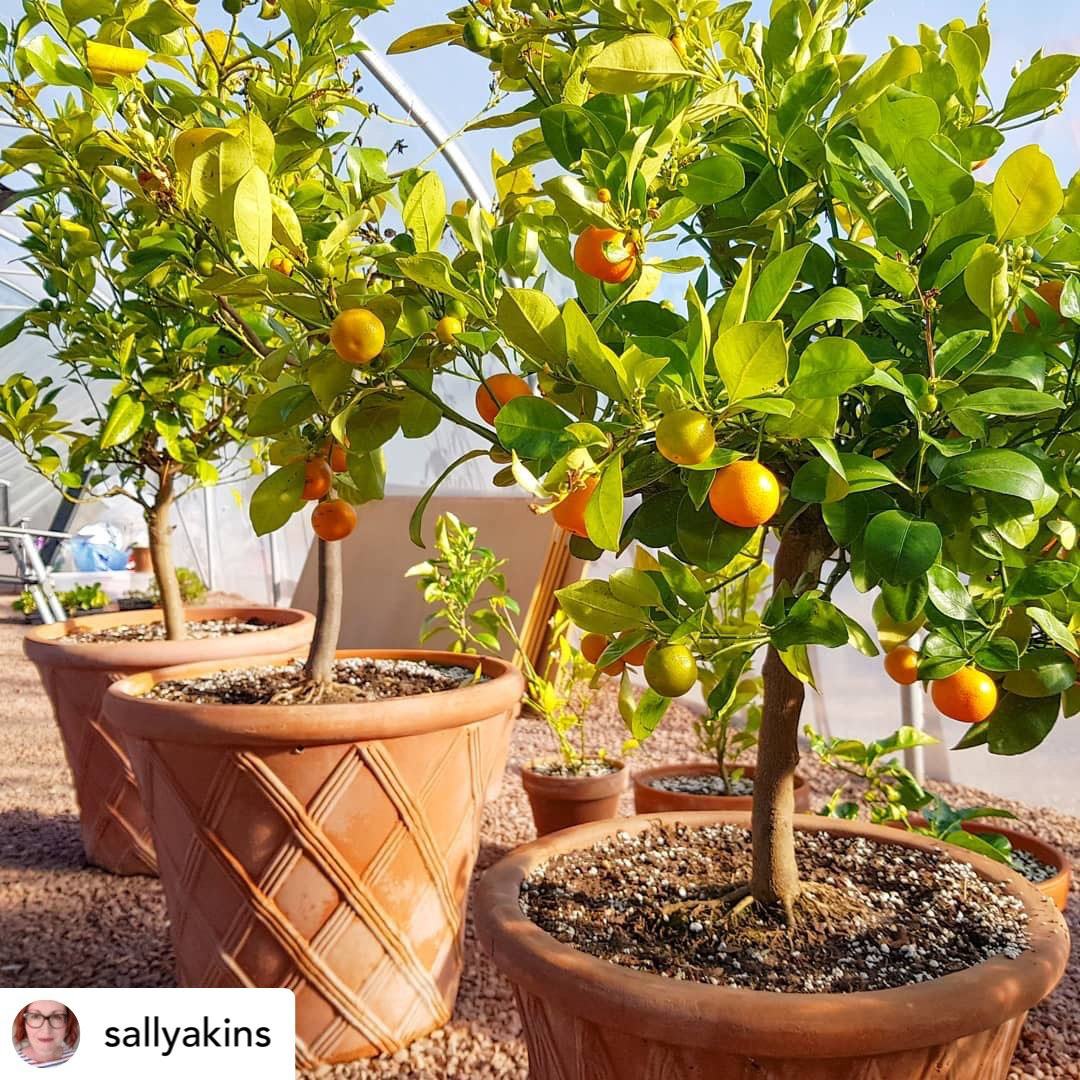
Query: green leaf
(532, 426)
(956, 349)
(253, 215)
(804, 90)
(941, 182)
(1019, 724)
(682, 580)
(835, 303)
(948, 595)
(986, 281)
(604, 510)
(879, 169)
(591, 606)
(635, 587)
(1040, 579)
(750, 358)
(416, 521)
(125, 418)
(569, 130)
(283, 409)
(1003, 471)
(1039, 85)
(635, 63)
(277, 498)
(707, 541)
(649, 712)
(890, 69)
(424, 37)
(900, 547)
(1027, 194)
(1056, 631)
(774, 283)
(424, 213)
(1005, 401)
(815, 481)
(811, 621)
(713, 179)
(596, 364)
(737, 298)
(531, 322)
(829, 367)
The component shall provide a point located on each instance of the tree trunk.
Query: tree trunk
(320, 661)
(804, 546)
(161, 555)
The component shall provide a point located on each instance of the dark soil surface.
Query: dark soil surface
(155, 631)
(355, 679)
(558, 767)
(703, 784)
(1032, 867)
(872, 916)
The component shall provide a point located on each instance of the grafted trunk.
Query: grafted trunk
(804, 546)
(161, 555)
(320, 661)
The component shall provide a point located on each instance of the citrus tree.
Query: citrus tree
(843, 377)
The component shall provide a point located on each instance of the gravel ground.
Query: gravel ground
(64, 924)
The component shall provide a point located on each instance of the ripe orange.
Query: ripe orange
(744, 493)
(570, 513)
(636, 656)
(317, 479)
(671, 670)
(603, 195)
(282, 265)
(333, 519)
(592, 645)
(902, 665)
(968, 695)
(590, 259)
(338, 462)
(1051, 292)
(685, 437)
(505, 387)
(447, 329)
(358, 335)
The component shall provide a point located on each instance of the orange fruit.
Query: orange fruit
(505, 387)
(338, 461)
(317, 479)
(333, 519)
(590, 259)
(902, 665)
(744, 493)
(636, 656)
(967, 695)
(1051, 292)
(671, 670)
(282, 265)
(460, 208)
(685, 437)
(592, 645)
(603, 195)
(570, 513)
(358, 335)
(447, 329)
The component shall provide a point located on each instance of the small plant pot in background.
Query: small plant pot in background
(141, 562)
(586, 1018)
(559, 802)
(326, 848)
(115, 832)
(654, 800)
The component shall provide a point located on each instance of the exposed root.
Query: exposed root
(307, 693)
(725, 906)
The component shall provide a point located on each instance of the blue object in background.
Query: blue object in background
(89, 556)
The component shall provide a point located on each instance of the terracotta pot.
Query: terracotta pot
(652, 800)
(588, 1019)
(1057, 887)
(116, 835)
(558, 802)
(141, 562)
(326, 848)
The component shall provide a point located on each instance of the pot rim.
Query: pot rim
(736, 1020)
(642, 777)
(290, 627)
(310, 725)
(575, 788)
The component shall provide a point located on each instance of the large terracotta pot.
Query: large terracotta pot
(115, 832)
(559, 802)
(588, 1019)
(326, 848)
(653, 800)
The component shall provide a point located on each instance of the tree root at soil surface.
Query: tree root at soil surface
(307, 693)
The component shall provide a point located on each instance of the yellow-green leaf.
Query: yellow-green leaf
(424, 37)
(876, 79)
(1027, 193)
(125, 416)
(635, 63)
(986, 280)
(253, 215)
(425, 212)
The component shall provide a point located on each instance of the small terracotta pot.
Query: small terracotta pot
(326, 848)
(1057, 887)
(653, 800)
(561, 801)
(141, 562)
(589, 1019)
(115, 832)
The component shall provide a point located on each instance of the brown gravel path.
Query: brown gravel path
(64, 924)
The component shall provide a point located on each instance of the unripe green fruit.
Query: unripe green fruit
(233, 7)
(476, 35)
(928, 403)
(205, 261)
(457, 309)
(319, 268)
(671, 670)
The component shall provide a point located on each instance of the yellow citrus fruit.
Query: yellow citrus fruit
(671, 670)
(967, 695)
(902, 665)
(333, 519)
(603, 195)
(744, 493)
(447, 329)
(685, 437)
(108, 60)
(460, 208)
(505, 387)
(570, 513)
(358, 335)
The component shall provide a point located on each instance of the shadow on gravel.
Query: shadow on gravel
(33, 841)
(489, 854)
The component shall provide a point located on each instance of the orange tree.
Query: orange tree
(842, 375)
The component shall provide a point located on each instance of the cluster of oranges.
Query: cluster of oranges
(332, 519)
(670, 670)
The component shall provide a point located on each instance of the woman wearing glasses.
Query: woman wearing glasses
(45, 1033)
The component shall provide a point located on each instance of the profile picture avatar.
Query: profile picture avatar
(45, 1033)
